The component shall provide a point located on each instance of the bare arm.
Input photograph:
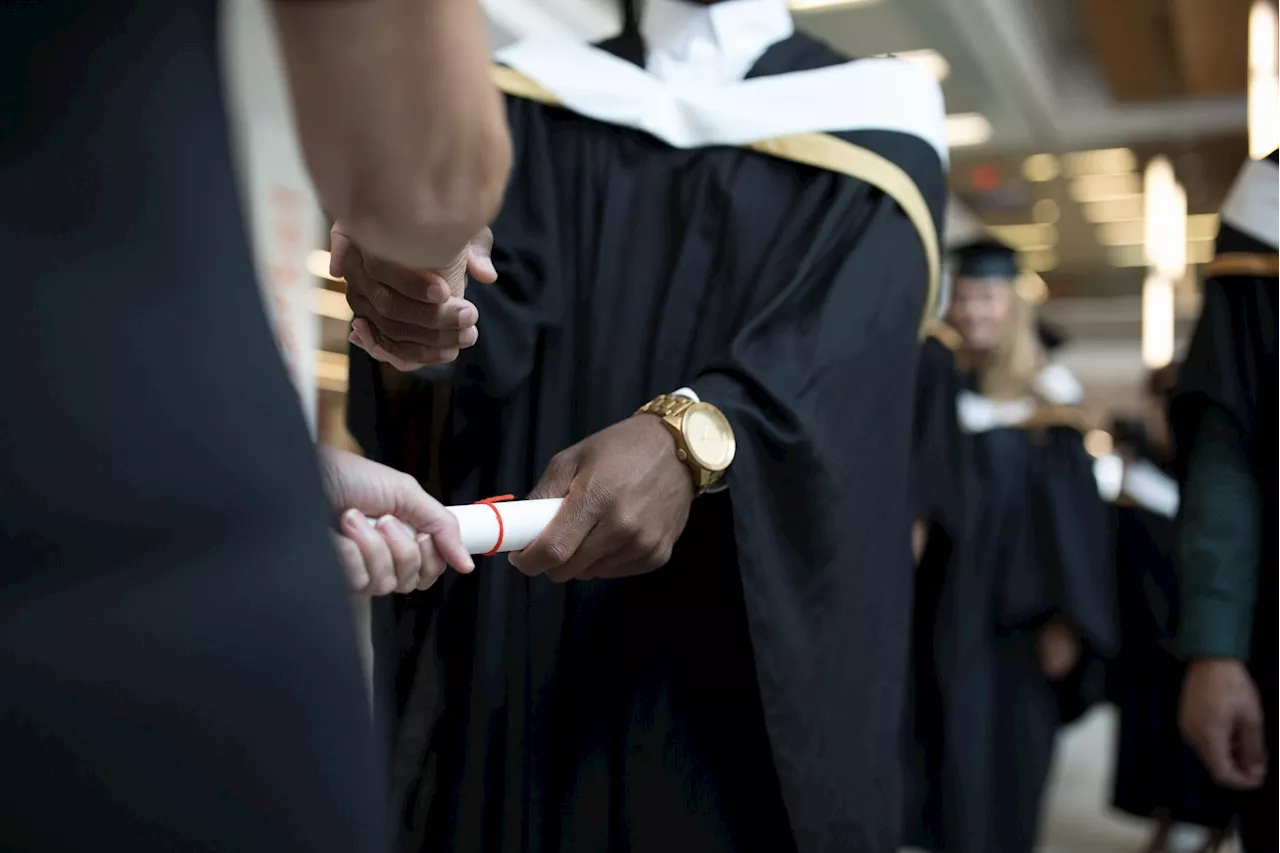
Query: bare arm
(401, 127)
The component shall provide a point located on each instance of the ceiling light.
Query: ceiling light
(1039, 168)
(318, 265)
(965, 129)
(1202, 226)
(1165, 214)
(1090, 188)
(1045, 211)
(1264, 80)
(1107, 161)
(824, 5)
(331, 303)
(1127, 233)
(1114, 209)
(1040, 260)
(1157, 320)
(934, 63)
(1032, 235)
(1031, 287)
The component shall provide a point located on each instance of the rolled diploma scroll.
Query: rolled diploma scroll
(522, 521)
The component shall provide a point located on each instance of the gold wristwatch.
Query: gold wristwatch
(704, 438)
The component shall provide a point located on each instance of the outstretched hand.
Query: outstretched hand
(411, 318)
(1220, 716)
(627, 499)
(414, 537)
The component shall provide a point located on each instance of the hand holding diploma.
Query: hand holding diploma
(411, 318)
(412, 539)
(626, 501)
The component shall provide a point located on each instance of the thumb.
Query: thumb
(427, 515)
(339, 245)
(480, 258)
(1251, 751)
(555, 481)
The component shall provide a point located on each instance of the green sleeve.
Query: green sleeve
(1219, 537)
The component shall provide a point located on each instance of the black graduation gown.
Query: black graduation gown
(937, 495)
(742, 696)
(178, 669)
(1231, 363)
(1035, 546)
(1155, 771)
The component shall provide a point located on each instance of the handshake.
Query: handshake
(409, 318)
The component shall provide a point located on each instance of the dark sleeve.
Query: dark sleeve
(1072, 538)
(935, 463)
(1218, 544)
(1230, 364)
(818, 384)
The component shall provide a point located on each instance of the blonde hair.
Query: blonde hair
(1008, 371)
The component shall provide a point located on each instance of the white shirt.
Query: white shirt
(692, 43)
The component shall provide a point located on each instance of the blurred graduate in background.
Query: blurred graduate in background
(1157, 775)
(1033, 601)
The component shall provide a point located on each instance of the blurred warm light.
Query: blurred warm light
(1038, 260)
(1127, 233)
(1264, 80)
(1031, 287)
(1113, 209)
(318, 265)
(811, 5)
(1200, 252)
(1045, 211)
(331, 303)
(1165, 213)
(1108, 470)
(1039, 168)
(928, 60)
(965, 129)
(1202, 226)
(1107, 161)
(331, 370)
(1026, 237)
(1099, 443)
(1157, 320)
(1092, 188)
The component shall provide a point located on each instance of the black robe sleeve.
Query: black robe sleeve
(1231, 364)
(1073, 537)
(828, 604)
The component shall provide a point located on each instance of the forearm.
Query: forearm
(402, 129)
(1218, 542)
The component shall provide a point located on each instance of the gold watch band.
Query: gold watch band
(670, 408)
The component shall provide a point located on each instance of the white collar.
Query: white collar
(1251, 205)
(1150, 488)
(1055, 384)
(868, 94)
(715, 44)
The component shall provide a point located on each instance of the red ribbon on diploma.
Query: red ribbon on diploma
(489, 502)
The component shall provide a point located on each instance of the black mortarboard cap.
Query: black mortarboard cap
(986, 259)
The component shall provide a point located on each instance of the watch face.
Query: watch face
(709, 436)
